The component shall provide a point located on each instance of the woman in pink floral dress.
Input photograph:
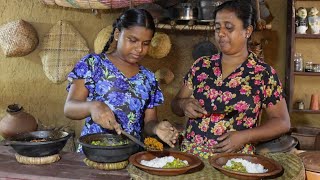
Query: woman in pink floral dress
(224, 94)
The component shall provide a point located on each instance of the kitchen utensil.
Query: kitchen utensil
(158, 13)
(39, 143)
(284, 143)
(310, 160)
(186, 11)
(194, 163)
(219, 160)
(133, 139)
(107, 154)
(206, 9)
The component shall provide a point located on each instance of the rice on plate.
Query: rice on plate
(165, 162)
(245, 166)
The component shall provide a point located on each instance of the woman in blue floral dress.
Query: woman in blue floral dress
(224, 94)
(112, 91)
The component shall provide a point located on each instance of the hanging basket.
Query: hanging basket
(61, 48)
(101, 40)
(160, 46)
(18, 38)
(97, 4)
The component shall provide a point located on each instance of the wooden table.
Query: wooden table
(70, 166)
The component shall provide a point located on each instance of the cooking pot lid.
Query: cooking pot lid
(311, 160)
(282, 144)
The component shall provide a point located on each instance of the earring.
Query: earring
(247, 36)
(116, 39)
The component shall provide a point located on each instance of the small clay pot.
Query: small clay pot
(17, 121)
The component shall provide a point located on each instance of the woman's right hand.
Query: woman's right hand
(192, 108)
(103, 115)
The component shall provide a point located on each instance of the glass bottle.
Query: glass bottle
(298, 62)
(309, 67)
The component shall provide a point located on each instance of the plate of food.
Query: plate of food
(166, 163)
(246, 166)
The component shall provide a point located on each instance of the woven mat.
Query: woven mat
(293, 170)
(106, 166)
(37, 160)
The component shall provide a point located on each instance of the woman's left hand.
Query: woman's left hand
(231, 142)
(167, 132)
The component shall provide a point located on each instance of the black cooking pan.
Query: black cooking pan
(38, 143)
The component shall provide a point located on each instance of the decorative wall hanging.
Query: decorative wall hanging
(102, 38)
(96, 4)
(160, 46)
(61, 48)
(18, 38)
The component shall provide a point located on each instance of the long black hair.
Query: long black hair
(243, 10)
(129, 18)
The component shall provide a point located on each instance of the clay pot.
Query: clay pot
(16, 121)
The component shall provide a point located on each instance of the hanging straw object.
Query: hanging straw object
(160, 46)
(97, 4)
(18, 38)
(61, 48)
(101, 40)
(164, 75)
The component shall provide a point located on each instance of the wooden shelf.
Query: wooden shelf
(306, 73)
(307, 36)
(306, 111)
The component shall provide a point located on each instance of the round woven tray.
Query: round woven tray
(106, 166)
(292, 165)
(37, 160)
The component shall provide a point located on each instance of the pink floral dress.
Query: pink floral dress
(234, 102)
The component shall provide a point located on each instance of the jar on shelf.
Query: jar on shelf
(298, 62)
(308, 67)
(300, 105)
(316, 67)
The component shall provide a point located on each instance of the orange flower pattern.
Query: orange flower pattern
(234, 103)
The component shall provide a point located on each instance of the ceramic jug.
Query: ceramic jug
(17, 121)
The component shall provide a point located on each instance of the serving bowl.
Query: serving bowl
(194, 162)
(113, 151)
(39, 143)
(274, 168)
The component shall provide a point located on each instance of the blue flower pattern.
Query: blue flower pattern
(128, 98)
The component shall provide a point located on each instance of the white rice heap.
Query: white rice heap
(159, 162)
(250, 167)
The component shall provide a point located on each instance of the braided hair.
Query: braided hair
(131, 17)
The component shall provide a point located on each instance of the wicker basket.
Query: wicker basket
(37, 160)
(101, 40)
(106, 166)
(18, 38)
(97, 4)
(160, 46)
(61, 48)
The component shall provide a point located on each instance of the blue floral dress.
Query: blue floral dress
(128, 98)
(238, 99)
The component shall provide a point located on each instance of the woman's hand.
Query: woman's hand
(166, 132)
(231, 142)
(192, 108)
(103, 115)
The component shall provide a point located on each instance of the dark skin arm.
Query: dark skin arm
(77, 107)
(184, 105)
(277, 123)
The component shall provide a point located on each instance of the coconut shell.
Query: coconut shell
(18, 38)
(160, 46)
(102, 38)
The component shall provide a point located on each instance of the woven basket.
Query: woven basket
(18, 38)
(160, 46)
(61, 48)
(101, 40)
(98, 4)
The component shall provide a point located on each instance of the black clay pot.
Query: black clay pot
(29, 144)
(107, 154)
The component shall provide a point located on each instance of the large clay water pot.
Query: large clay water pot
(16, 121)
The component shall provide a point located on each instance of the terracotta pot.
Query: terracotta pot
(16, 121)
